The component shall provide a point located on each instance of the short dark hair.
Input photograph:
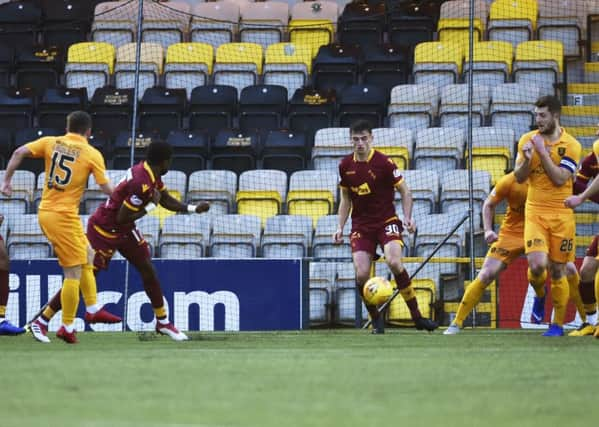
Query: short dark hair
(79, 122)
(552, 103)
(158, 152)
(360, 126)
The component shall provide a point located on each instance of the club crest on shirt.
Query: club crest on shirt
(371, 173)
(561, 151)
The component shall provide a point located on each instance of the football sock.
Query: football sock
(69, 299)
(559, 297)
(573, 286)
(537, 282)
(4, 290)
(48, 313)
(54, 306)
(404, 284)
(88, 288)
(160, 312)
(587, 293)
(472, 296)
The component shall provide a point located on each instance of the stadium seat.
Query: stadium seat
(188, 65)
(321, 283)
(424, 185)
(262, 107)
(25, 239)
(23, 136)
(362, 24)
(579, 115)
(583, 94)
(65, 22)
(161, 110)
(591, 72)
(439, 148)
(454, 105)
(23, 187)
(16, 108)
(5, 145)
(455, 189)
(454, 16)
(57, 103)
(287, 236)
(492, 150)
(165, 23)
(214, 23)
(19, 23)
(438, 63)
(539, 63)
(215, 186)
(212, 108)
(311, 110)
(7, 62)
(238, 65)
(235, 150)
(235, 236)
(263, 23)
(185, 236)
(261, 193)
(425, 291)
(190, 150)
(122, 148)
(330, 146)
(150, 69)
(411, 23)
(512, 106)
(37, 68)
(564, 21)
(386, 65)
(284, 150)
(395, 143)
(491, 63)
(456, 30)
(435, 227)
(312, 193)
(348, 305)
(111, 110)
(413, 106)
(115, 23)
(511, 21)
(313, 24)
(288, 65)
(175, 183)
(323, 247)
(89, 65)
(149, 226)
(586, 224)
(93, 195)
(336, 66)
(362, 102)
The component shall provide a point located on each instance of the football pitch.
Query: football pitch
(312, 378)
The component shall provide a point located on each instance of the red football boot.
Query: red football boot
(101, 316)
(68, 337)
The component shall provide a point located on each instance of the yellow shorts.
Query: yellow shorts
(553, 234)
(508, 247)
(65, 232)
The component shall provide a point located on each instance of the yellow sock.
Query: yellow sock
(48, 312)
(160, 312)
(2, 310)
(69, 298)
(408, 293)
(590, 308)
(471, 297)
(537, 282)
(88, 285)
(559, 297)
(573, 282)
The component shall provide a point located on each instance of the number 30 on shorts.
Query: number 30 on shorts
(566, 245)
(392, 229)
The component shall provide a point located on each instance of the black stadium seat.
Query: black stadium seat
(161, 110)
(336, 66)
(57, 103)
(212, 108)
(65, 21)
(262, 107)
(16, 108)
(235, 150)
(387, 65)
(190, 150)
(19, 23)
(366, 102)
(111, 110)
(285, 150)
(38, 67)
(23, 136)
(362, 23)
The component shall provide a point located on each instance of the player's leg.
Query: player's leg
(362, 260)
(6, 328)
(136, 250)
(536, 241)
(573, 279)
(589, 267)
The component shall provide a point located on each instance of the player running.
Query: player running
(368, 180)
(112, 226)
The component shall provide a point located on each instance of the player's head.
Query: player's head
(159, 156)
(360, 134)
(547, 111)
(79, 122)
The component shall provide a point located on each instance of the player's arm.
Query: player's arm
(406, 204)
(343, 213)
(107, 188)
(523, 161)
(13, 164)
(590, 191)
(488, 211)
(169, 202)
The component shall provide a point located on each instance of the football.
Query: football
(377, 290)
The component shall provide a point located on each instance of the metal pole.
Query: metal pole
(140, 12)
(469, 144)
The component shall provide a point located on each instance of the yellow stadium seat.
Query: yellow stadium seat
(398, 312)
(541, 50)
(311, 203)
(161, 213)
(191, 53)
(495, 160)
(289, 53)
(439, 52)
(492, 51)
(515, 10)
(580, 115)
(90, 52)
(240, 53)
(581, 131)
(311, 32)
(151, 53)
(457, 30)
(400, 155)
(262, 204)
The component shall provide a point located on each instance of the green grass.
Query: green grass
(316, 378)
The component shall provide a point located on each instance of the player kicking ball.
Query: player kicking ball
(112, 228)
